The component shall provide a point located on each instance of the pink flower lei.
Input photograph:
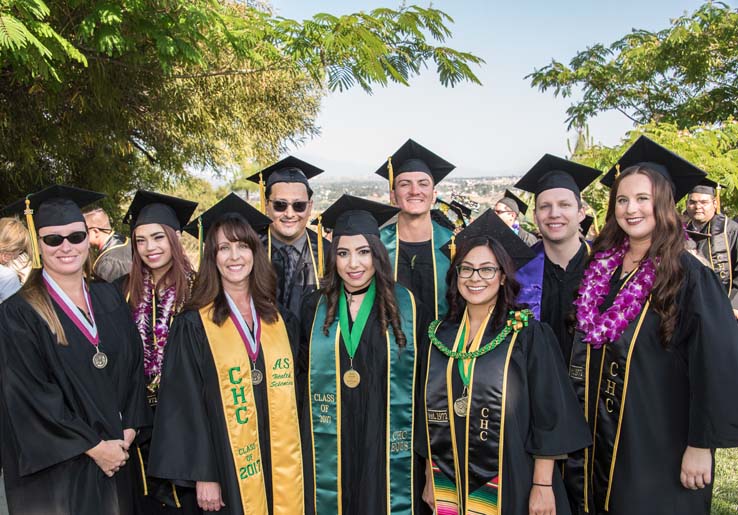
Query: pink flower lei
(608, 326)
(153, 347)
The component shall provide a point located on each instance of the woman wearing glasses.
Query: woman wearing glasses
(362, 335)
(73, 394)
(499, 408)
(158, 286)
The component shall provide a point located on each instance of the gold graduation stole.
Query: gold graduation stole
(234, 374)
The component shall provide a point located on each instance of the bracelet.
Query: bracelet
(541, 484)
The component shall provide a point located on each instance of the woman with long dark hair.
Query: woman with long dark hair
(157, 288)
(226, 422)
(73, 394)
(361, 336)
(499, 408)
(655, 351)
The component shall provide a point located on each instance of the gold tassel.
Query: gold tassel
(262, 194)
(390, 176)
(717, 198)
(617, 170)
(321, 264)
(36, 257)
(200, 238)
(452, 247)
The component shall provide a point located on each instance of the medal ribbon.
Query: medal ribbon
(352, 338)
(252, 343)
(465, 365)
(87, 327)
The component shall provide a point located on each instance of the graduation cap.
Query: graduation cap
(55, 205)
(585, 224)
(709, 187)
(230, 204)
(466, 211)
(681, 174)
(289, 169)
(449, 215)
(413, 157)
(489, 224)
(349, 216)
(555, 172)
(695, 236)
(520, 205)
(148, 207)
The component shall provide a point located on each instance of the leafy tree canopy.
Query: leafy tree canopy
(118, 95)
(686, 74)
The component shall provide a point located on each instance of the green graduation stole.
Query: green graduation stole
(440, 236)
(324, 392)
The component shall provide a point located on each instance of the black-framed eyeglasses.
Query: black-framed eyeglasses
(485, 272)
(298, 206)
(54, 240)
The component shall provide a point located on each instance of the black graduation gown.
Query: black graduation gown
(363, 417)
(190, 440)
(680, 396)
(415, 270)
(559, 289)
(542, 416)
(56, 405)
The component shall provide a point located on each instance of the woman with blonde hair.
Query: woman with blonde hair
(14, 242)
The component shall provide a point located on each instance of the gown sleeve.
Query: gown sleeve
(707, 329)
(46, 431)
(182, 444)
(557, 424)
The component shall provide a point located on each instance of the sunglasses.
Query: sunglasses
(281, 206)
(54, 240)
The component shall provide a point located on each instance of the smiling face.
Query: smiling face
(354, 262)
(288, 225)
(154, 247)
(634, 207)
(414, 193)
(67, 258)
(475, 290)
(234, 260)
(506, 214)
(558, 215)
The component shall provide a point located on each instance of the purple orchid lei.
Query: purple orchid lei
(600, 328)
(154, 346)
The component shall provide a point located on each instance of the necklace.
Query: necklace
(603, 327)
(351, 294)
(351, 338)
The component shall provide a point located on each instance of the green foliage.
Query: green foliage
(713, 148)
(686, 74)
(118, 95)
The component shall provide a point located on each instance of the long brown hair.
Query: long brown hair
(385, 302)
(262, 279)
(505, 296)
(178, 274)
(667, 244)
(34, 292)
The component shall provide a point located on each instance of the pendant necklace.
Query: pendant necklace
(352, 337)
(251, 339)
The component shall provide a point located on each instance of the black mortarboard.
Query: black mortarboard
(682, 174)
(413, 157)
(349, 216)
(585, 224)
(55, 205)
(466, 211)
(522, 206)
(289, 169)
(555, 172)
(706, 186)
(489, 224)
(148, 207)
(696, 236)
(449, 215)
(232, 203)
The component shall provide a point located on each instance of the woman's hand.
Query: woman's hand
(208, 496)
(109, 455)
(696, 468)
(542, 501)
(428, 496)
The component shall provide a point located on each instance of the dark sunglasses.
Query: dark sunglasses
(298, 206)
(54, 240)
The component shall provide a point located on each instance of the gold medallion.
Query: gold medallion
(351, 378)
(256, 376)
(461, 406)
(100, 360)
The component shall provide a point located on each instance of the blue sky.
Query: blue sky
(499, 128)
